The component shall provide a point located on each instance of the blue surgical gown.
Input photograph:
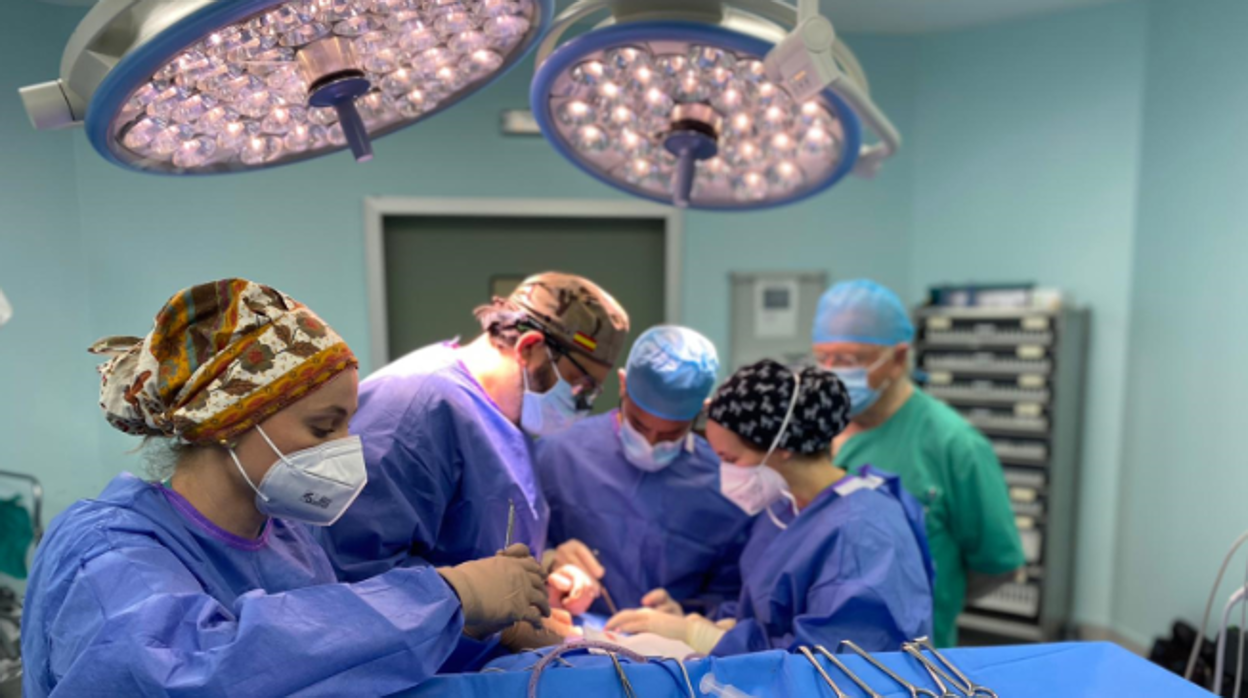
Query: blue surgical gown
(137, 594)
(444, 466)
(671, 529)
(853, 565)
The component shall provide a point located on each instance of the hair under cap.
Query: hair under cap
(754, 400)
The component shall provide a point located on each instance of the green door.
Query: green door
(439, 268)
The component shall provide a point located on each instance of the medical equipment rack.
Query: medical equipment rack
(1017, 374)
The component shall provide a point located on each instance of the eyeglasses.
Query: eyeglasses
(833, 361)
(585, 389)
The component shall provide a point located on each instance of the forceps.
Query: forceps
(934, 671)
(845, 670)
(970, 688)
(819, 668)
(913, 690)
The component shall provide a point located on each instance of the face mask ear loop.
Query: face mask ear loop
(242, 472)
(797, 392)
(776, 520)
(888, 355)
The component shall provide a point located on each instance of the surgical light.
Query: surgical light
(211, 86)
(717, 105)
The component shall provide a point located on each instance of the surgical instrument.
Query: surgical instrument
(606, 595)
(913, 690)
(866, 688)
(835, 689)
(969, 687)
(511, 522)
(939, 677)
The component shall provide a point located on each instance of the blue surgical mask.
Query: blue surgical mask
(543, 414)
(858, 384)
(647, 456)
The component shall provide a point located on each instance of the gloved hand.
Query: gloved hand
(662, 602)
(572, 589)
(499, 591)
(648, 620)
(694, 630)
(523, 637)
(574, 552)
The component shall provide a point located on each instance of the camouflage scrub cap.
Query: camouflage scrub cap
(576, 313)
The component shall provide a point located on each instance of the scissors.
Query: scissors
(970, 688)
(835, 689)
(913, 690)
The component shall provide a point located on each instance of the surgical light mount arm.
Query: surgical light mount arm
(110, 30)
(810, 59)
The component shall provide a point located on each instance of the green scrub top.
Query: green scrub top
(950, 467)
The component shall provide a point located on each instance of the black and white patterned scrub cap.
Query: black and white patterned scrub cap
(754, 400)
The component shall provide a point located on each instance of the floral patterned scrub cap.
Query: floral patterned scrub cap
(221, 358)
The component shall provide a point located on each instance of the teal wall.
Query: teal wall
(1101, 151)
(47, 415)
(1026, 154)
(1184, 465)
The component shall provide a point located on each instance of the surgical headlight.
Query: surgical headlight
(208, 86)
(733, 105)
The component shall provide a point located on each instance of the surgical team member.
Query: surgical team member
(635, 495)
(209, 583)
(835, 557)
(863, 334)
(446, 428)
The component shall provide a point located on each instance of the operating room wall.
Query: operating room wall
(1185, 468)
(301, 228)
(44, 273)
(1026, 148)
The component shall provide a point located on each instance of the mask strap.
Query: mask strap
(797, 391)
(269, 441)
(554, 365)
(242, 472)
(776, 520)
(792, 503)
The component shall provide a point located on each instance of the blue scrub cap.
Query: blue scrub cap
(671, 372)
(863, 312)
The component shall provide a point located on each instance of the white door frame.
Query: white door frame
(376, 209)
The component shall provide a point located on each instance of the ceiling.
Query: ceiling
(896, 16)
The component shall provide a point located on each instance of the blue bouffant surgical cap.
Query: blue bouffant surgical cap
(863, 312)
(671, 372)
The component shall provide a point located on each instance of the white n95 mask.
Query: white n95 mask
(752, 488)
(543, 414)
(314, 486)
(647, 456)
(755, 488)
